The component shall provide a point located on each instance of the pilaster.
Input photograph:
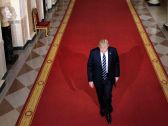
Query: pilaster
(3, 68)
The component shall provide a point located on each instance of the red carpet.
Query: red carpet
(67, 99)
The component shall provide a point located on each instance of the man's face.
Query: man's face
(103, 49)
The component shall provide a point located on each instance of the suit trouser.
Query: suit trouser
(104, 93)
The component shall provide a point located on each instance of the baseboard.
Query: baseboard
(28, 41)
(32, 36)
(3, 78)
(2, 85)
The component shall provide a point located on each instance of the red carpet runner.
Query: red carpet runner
(67, 99)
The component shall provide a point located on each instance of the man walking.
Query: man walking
(103, 72)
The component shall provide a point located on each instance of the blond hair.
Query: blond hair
(103, 43)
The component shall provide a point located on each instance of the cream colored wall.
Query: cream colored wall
(3, 68)
(22, 27)
(17, 29)
(24, 22)
(4, 2)
(27, 22)
(49, 4)
(39, 4)
(0, 33)
(30, 5)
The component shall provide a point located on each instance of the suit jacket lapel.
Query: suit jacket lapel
(109, 57)
(99, 57)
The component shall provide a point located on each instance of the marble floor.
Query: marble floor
(22, 74)
(153, 18)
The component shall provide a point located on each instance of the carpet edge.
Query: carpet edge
(157, 66)
(27, 114)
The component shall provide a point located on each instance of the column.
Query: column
(17, 27)
(166, 24)
(40, 8)
(49, 4)
(3, 68)
(22, 27)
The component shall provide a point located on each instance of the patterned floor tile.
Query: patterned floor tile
(145, 17)
(56, 24)
(47, 40)
(38, 44)
(160, 34)
(166, 69)
(36, 62)
(30, 87)
(151, 19)
(10, 118)
(149, 23)
(19, 109)
(42, 50)
(18, 98)
(28, 78)
(140, 7)
(164, 60)
(17, 85)
(152, 30)
(143, 11)
(25, 68)
(157, 39)
(5, 107)
(165, 43)
(52, 31)
(160, 55)
(161, 49)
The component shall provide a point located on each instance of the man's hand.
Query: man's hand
(91, 84)
(116, 79)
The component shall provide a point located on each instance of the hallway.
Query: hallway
(21, 76)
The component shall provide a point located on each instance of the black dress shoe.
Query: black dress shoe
(108, 118)
(102, 113)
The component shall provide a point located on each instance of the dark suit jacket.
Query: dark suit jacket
(94, 67)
